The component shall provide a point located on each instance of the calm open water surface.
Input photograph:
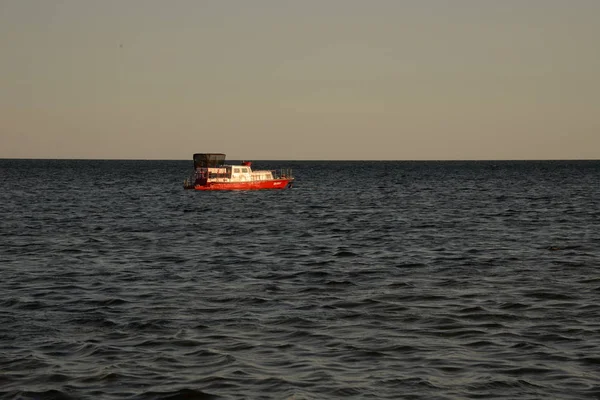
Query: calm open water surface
(382, 280)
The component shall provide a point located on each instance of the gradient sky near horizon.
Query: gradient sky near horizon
(301, 79)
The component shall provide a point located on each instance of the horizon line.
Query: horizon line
(299, 159)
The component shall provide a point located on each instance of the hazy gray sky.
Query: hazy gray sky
(302, 79)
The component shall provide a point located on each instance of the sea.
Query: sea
(366, 280)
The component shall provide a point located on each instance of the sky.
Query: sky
(300, 79)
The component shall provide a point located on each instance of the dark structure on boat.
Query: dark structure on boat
(208, 160)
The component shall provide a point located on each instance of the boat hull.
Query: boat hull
(276, 184)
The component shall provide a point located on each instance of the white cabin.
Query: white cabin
(236, 173)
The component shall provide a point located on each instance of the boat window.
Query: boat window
(245, 170)
(236, 170)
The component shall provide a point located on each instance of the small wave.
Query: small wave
(480, 344)
(544, 295)
(315, 274)
(591, 360)
(461, 333)
(496, 385)
(513, 306)
(333, 283)
(94, 320)
(147, 326)
(525, 345)
(522, 371)
(554, 338)
(410, 265)
(45, 395)
(32, 305)
(317, 263)
(183, 394)
(345, 253)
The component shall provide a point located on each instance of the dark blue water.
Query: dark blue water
(382, 280)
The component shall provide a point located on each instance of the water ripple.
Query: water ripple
(437, 280)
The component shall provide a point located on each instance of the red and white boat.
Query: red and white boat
(211, 173)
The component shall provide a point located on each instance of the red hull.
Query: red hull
(255, 185)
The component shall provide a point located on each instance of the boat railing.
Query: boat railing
(190, 181)
(282, 173)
